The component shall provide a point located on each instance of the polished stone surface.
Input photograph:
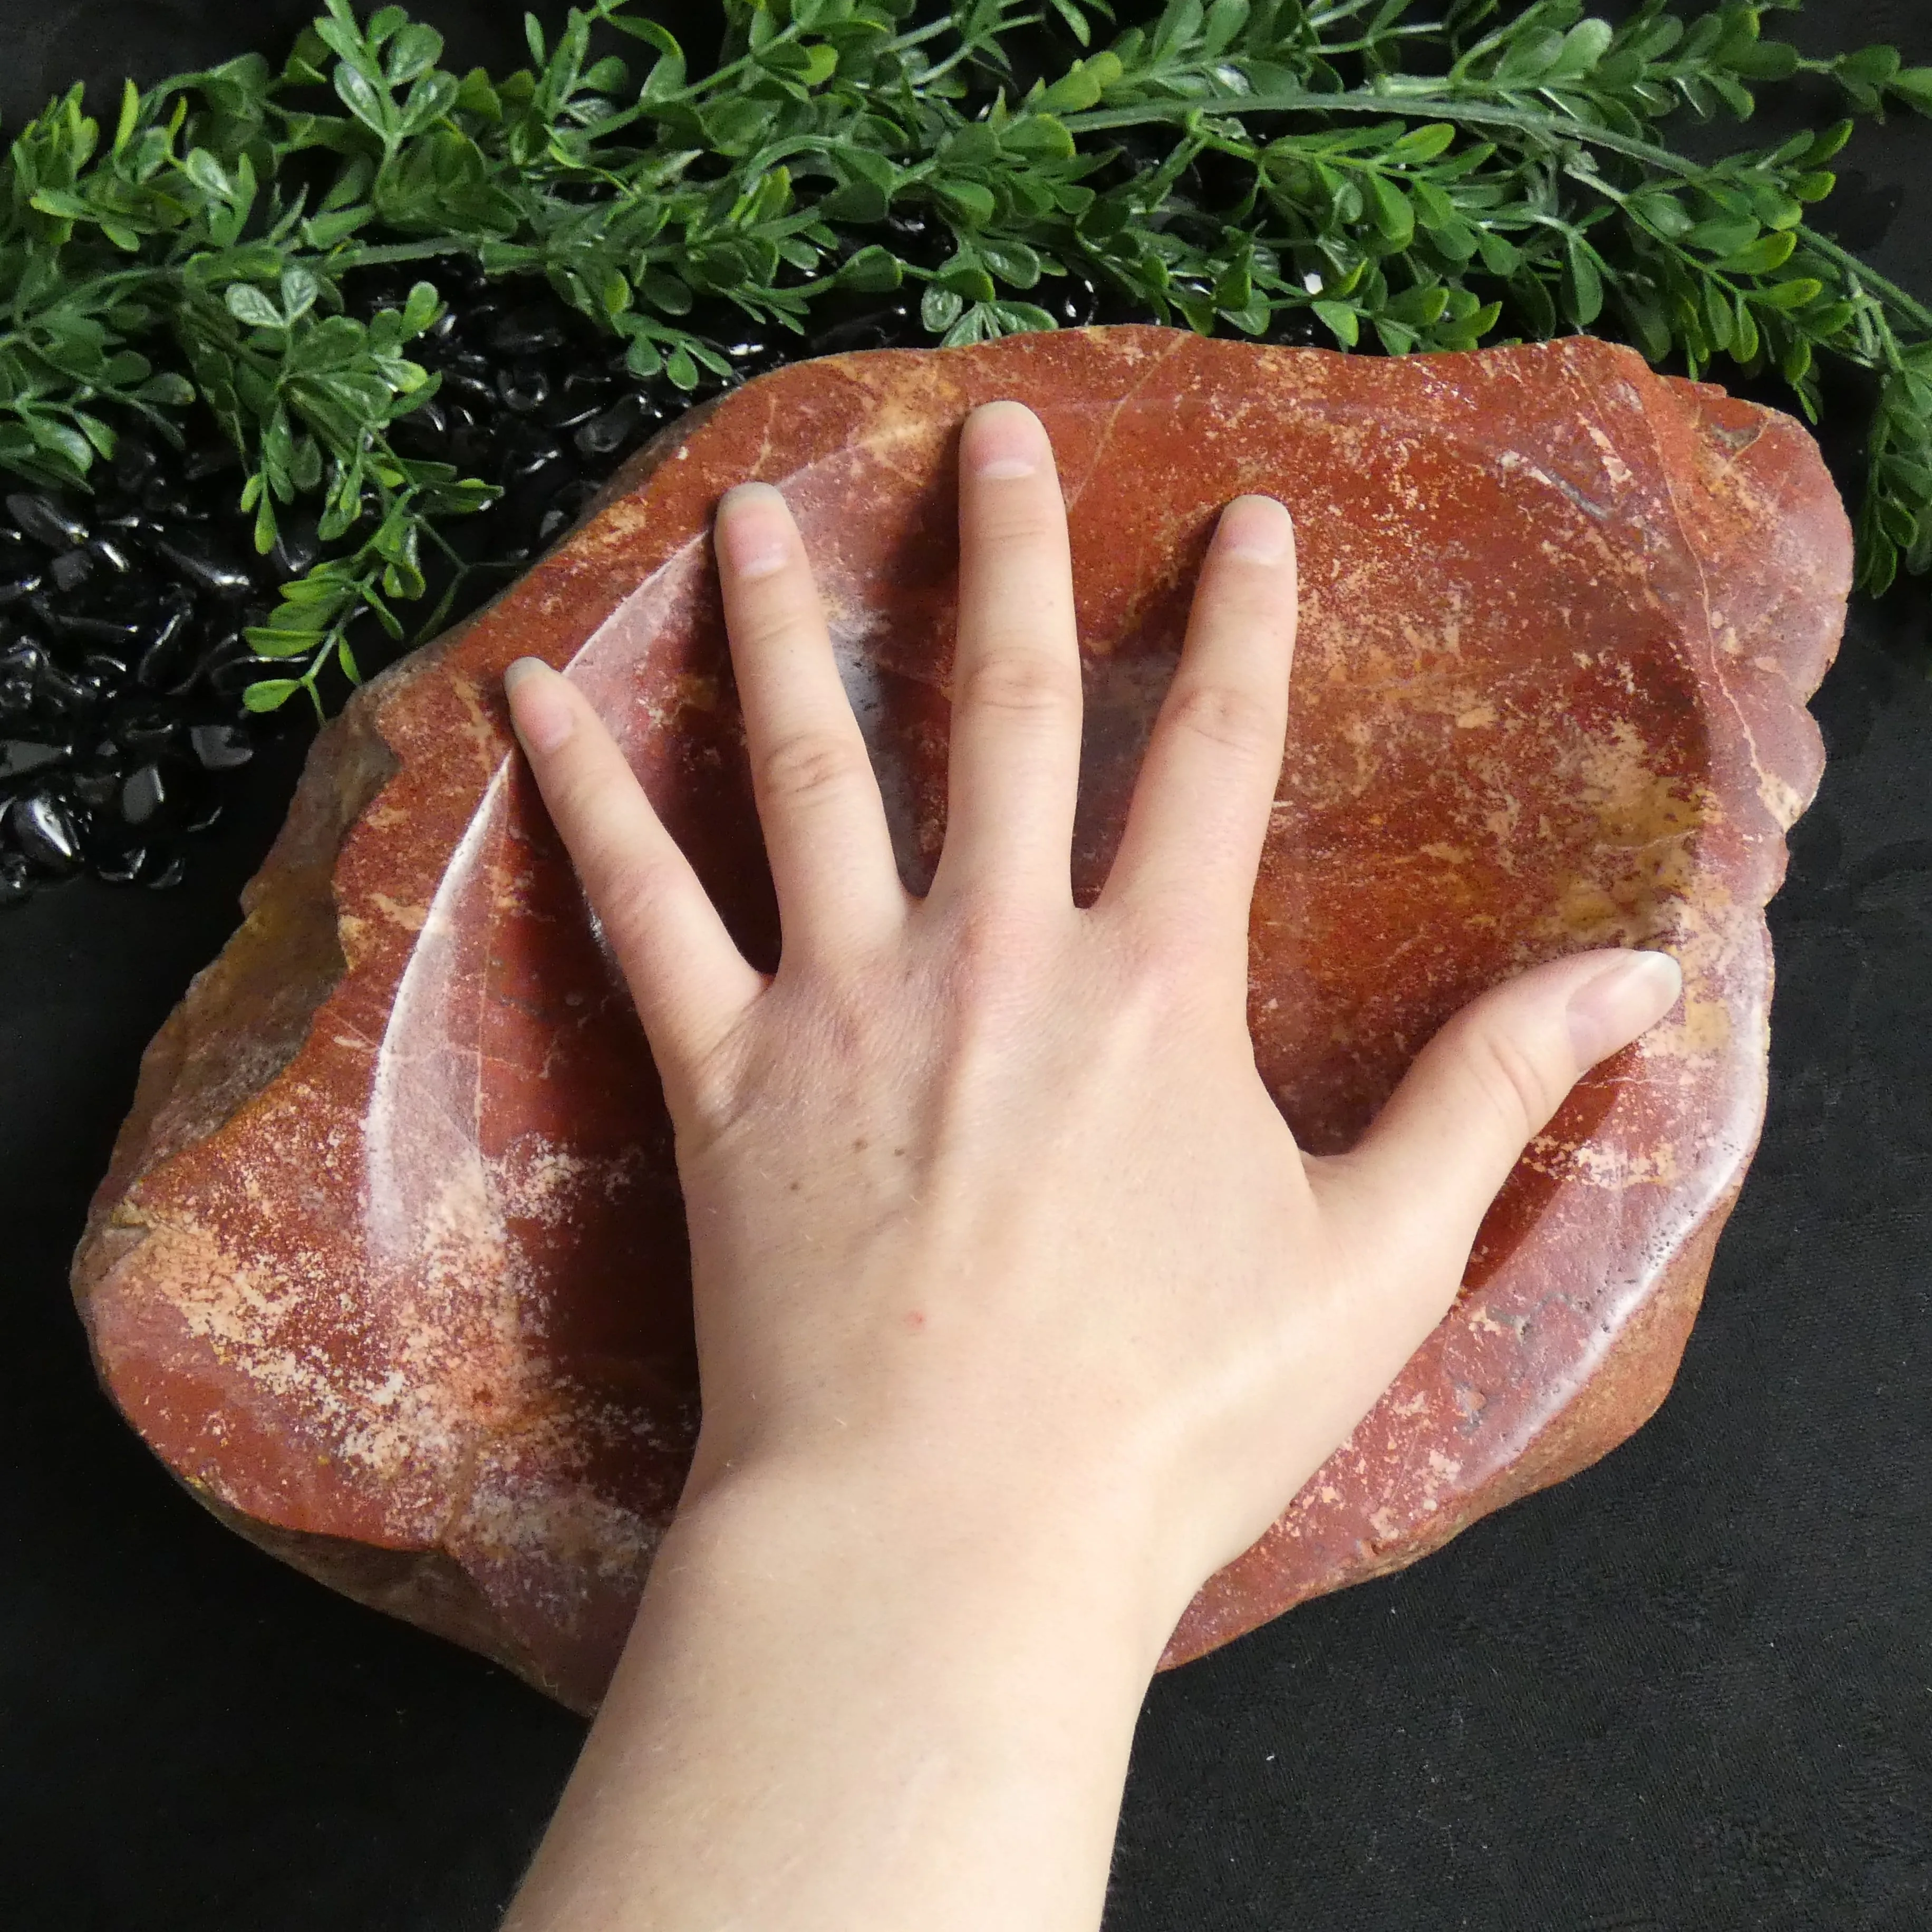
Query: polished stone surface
(390, 1268)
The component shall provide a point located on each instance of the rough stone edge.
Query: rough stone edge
(289, 938)
(1626, 1388)
(1640, 1367)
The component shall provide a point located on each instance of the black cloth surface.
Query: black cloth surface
(1689, 1689)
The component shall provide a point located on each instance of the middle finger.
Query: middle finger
(1014, 770)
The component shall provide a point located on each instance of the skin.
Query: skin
(1019, 1312)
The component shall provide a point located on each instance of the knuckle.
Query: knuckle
(807, 765)
(769, 625)
(1009, 519)
(1021, 683)
(627, 894)
(1225, 716)
(994, 949)
(1180, 962)
(1521, 1093)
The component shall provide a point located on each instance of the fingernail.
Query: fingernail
(1256, 528)
(539, 708)
(1002, 441)
(1610, 1010)
(755, 541)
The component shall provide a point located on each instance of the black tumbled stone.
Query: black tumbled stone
(122, 867)
(97, 787)
(219, 748)
(44, 521)
(606, 433)
(146, 727)
(162, 871)
(297, 545)
(58, 689)
(220, 576)
(106, 672)
(20, 756)
(144, 792)
(526, 456)
(167, 662)
(44, 830)
(523, 389)
(525, 331)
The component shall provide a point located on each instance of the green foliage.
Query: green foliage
(1415, 178)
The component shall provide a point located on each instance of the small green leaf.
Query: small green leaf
(1914, 87)
(1762, 60)
(1875, 67)
(1341, 321)
(270, 693)
(1423, 144)
(1390, 211)
(250, 307)
(1663, 212)
(131, 111)
(1013, 262)
(1723, 237)
(359, 95)
(422, 308)
(1769, 253)
(940, 308)
(1798, 292)
(972, 203)
(1582, 282)
(871, 271)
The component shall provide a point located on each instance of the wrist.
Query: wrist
(1046, 1559)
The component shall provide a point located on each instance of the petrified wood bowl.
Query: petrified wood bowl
(390, 1268)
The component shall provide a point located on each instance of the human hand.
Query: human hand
(985, 1189)
(999, 1245)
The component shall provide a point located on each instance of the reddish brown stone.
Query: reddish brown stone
(390, 1268)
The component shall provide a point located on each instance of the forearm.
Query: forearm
(838, 1716)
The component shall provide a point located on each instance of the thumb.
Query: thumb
(1409, 1200)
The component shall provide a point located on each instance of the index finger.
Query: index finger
(690, 982)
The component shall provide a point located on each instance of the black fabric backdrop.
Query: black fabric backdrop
(1689, 1689)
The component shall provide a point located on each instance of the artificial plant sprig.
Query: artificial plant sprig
(1412, 177)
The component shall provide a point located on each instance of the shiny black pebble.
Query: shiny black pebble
(524, 456)
(525, 331)
(44, 521)
(58, 689)
(211, 459)
(167, 663)
(606, 433)
(219, 748)
(523, 389)
(220, 576)
(106, 672)
(45, 831)
(146, 727)
(135, 460)
(20, 756)
(97, 787)
(143, 793)
(297, 545)
(121, 868)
